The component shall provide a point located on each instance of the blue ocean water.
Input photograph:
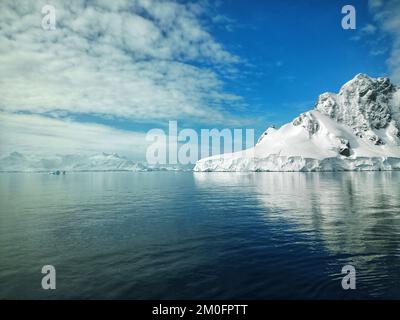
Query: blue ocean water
(168, 235)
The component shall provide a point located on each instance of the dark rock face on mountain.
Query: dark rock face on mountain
(364, 104)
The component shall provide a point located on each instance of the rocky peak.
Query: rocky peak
(363, 103)
(308, 122)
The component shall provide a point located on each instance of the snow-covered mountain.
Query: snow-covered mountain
(356, 129)
(99, 162)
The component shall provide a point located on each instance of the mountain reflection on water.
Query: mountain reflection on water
(355, 216)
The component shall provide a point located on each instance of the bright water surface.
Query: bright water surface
(167, 235)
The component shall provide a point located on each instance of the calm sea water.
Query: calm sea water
(200, 235)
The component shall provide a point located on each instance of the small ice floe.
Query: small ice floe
(57, 173)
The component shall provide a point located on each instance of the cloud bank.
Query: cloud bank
(387, 15)
(38, 135)
(135, 59)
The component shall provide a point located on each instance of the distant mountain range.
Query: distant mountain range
(356, 129)
(18, 162)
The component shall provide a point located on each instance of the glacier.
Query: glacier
(357, 129)
(18, 162)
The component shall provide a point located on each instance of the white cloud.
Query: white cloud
(378, 52)
(35, 134)
(135, 59)
(225, 21)
(375, 4)
(387, 16)
(368, 29)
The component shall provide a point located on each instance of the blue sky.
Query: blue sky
(120, 68)
(298, 50)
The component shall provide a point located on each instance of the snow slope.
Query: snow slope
(356, 129)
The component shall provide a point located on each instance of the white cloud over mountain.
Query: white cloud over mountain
(387, 15)
(135, 59)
